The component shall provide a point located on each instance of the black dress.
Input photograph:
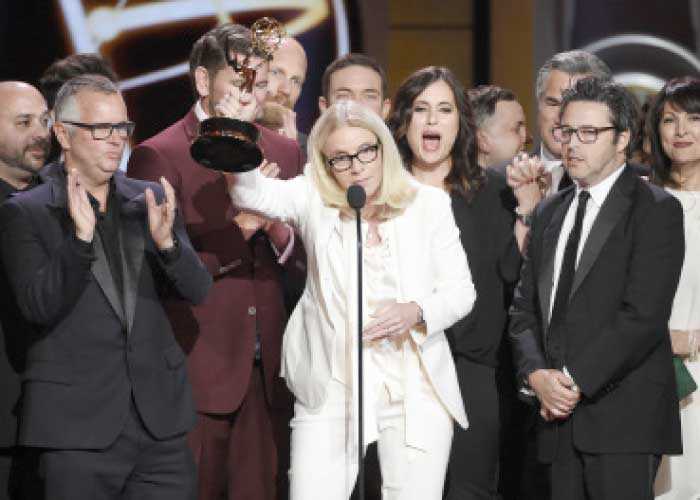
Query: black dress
(486, 230)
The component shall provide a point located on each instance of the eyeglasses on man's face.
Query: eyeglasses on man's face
(585, 135)
(102, 131)
(364, 155)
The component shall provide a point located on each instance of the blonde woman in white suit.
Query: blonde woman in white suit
(417, 284)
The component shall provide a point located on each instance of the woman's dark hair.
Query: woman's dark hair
(465, 177)
(680, 93)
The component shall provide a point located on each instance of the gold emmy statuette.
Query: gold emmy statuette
(227, 144)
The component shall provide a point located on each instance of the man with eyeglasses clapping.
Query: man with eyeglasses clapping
(106, 400)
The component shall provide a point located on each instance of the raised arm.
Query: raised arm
(285, 200)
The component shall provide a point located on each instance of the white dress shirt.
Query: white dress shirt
(598, 194)
(554, 166)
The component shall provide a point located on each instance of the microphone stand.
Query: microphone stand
(356, 199)
(360, 382)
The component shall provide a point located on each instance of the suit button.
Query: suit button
(251, 311)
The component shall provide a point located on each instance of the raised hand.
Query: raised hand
(289, 129)
(526, 177)
(392, 320)
(237, 104)
(269, 169)
(161, 218)
(79, 207)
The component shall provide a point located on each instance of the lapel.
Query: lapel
(133, 215)
(99, 268)
(349, 238)
(58, 206)
(103, 276)
(191, 125)
(327, 219)
(401, 243)
(616, 204)
(550, 238)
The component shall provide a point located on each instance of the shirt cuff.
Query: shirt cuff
(565, 371)
(170, 255)
(84, 249)
(284, 256)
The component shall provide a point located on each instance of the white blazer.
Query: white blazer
(433, 272)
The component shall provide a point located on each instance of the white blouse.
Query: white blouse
(685, 314)
(386, 360)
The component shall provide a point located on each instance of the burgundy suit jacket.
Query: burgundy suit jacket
(219, 334)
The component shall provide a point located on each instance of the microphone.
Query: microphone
(356, 196)
(357, 199)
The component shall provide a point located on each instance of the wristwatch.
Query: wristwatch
(525, 219)
(421, 320)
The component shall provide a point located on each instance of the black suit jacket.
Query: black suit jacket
(93, 350)
(486, 231)
(11, 350)
(618, 349)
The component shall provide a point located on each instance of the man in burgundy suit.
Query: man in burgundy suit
(233, 340)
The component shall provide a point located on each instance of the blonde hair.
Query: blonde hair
(397, 190)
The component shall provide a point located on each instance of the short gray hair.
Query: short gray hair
(573, 62)
(65, 99)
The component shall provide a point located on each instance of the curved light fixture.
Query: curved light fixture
(644, 40)
(90, 29)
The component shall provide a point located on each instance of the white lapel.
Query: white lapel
(326, 218)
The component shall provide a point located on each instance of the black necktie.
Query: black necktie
(568, 265)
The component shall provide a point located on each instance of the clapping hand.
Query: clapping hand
(79, 207)
(161, 218)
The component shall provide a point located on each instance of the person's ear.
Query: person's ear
(386, 107)
(62, 134)
(202, 81)
(623, 140)
(483, 142)
(322, 104)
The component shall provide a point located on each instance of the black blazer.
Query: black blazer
(94, 350)
(618, 348)
(486, 230)
(12, 349)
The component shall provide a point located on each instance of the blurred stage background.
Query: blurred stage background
(483, 41)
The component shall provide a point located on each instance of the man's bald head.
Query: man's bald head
(24, 132)
(287, 73)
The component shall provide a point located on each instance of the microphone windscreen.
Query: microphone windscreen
(356, 197)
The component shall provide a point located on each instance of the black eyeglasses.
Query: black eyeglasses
(364, 155)
(586, 135)
(102, 131)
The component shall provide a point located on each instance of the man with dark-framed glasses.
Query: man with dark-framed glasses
(103, 131)
(589, 318)
(106, 400)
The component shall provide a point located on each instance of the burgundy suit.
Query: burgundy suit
(219, 336)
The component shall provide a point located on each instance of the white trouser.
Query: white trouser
(324, 460)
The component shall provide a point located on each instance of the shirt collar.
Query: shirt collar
(199, 111)
(547, 156)
(600, 191)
